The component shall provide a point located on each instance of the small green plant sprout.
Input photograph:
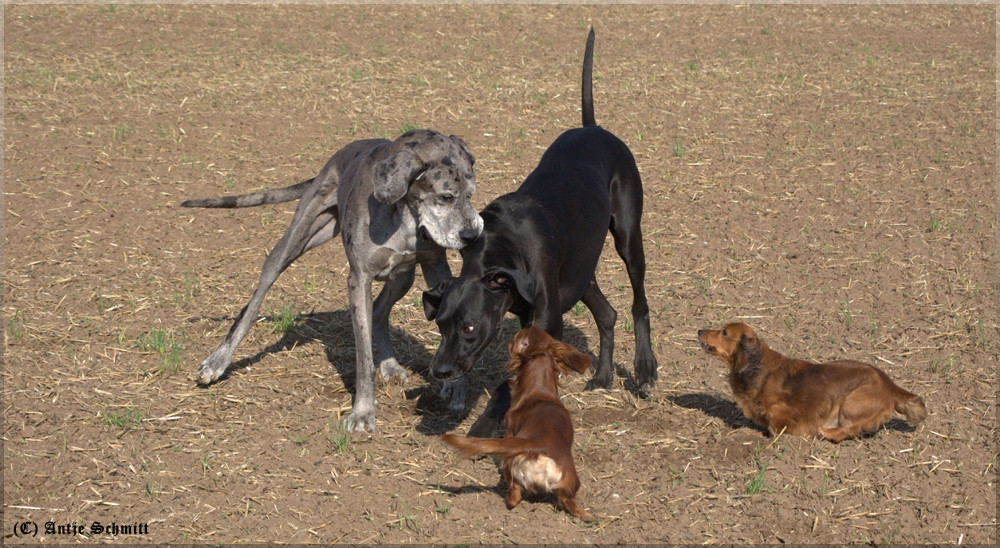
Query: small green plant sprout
(935, 224)
(755, 480)
(627, 325)
(982, 340)
(579, 308)
(845, 311)
(16, 326)
(126, 418)
(339, 437)
(163, 343)
(285, 319)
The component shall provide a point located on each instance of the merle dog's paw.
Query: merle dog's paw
(454, 394)
(391, 371)
(212, 368)
(360, 421)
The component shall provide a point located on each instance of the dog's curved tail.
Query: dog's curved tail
(910, 406)
(275, 196)
(503, 447)
(588, 82)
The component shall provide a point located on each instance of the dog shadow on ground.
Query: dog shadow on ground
(713, 406)
(335, 331)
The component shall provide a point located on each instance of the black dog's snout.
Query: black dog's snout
(468, 235)
(444, 372)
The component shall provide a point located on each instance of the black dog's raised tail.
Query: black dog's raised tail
(588, 82)
(276, 196)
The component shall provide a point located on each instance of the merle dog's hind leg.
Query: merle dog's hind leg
(605, 318)
(626, 213)
(308, 229)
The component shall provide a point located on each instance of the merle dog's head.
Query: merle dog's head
(468, 311)
(433, 174)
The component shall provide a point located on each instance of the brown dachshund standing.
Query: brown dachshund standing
(537, 449)
(836, 400)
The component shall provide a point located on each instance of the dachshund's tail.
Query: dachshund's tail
(910, 406)
(502, 447)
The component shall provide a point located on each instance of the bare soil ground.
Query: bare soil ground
(827, 174)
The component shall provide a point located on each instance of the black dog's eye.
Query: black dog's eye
(468, 329)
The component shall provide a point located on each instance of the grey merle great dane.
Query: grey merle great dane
(397, 204)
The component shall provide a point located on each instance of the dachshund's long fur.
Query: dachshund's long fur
(537, 448)
(836, 400)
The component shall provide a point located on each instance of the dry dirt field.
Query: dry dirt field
(827, 174)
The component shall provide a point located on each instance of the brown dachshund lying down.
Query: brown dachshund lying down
(537, 449)
(836, 400)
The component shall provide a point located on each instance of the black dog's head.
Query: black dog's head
(468, 311)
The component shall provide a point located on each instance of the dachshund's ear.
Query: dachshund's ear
(394, 174)
(568, 357)
(522, 342)
(750, 348)
(432, 298)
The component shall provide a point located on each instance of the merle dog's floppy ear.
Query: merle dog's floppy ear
(432, 298)
(497, 278)
(394, 174)
(465, 147)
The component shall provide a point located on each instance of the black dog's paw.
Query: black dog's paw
(602, 382)
(645, 373)
(645, 385)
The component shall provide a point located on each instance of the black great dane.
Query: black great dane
(539, 249)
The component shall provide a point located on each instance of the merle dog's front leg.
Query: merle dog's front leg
(359, 288)
(392, 291)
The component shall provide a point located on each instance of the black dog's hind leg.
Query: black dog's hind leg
(626, 212)
(605, 317)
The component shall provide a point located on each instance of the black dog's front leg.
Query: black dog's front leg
(489, 424)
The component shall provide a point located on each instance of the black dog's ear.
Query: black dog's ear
(497, 279)
(432, 298)
(394, 174)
